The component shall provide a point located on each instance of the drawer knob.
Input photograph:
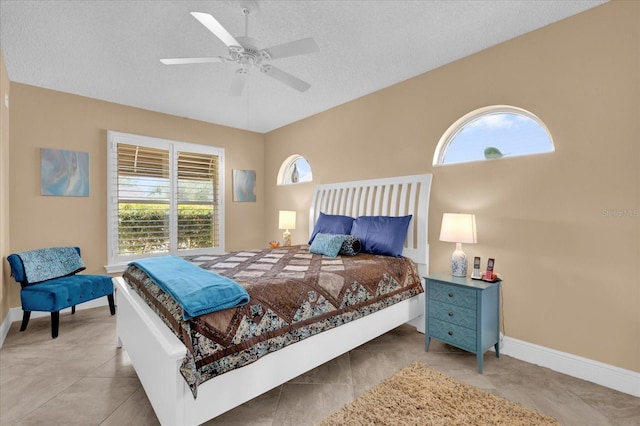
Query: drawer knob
(450, 314)
(450, 294)
(450, 333)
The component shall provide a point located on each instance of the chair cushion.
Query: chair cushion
(57, 294)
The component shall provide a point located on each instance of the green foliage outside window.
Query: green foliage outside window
(144, 228)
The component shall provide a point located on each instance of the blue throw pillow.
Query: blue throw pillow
(332, 224)
(381, 234)
(327, 244)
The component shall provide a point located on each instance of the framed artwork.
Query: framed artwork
(64, 173)
(244, 185)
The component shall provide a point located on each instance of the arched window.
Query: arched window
(493, 132)
(295, 169)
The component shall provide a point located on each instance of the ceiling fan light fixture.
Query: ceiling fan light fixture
(238, 82)
(265, 68)
(244, 51)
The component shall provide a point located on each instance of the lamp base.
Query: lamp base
(286, 238)
(459, 262)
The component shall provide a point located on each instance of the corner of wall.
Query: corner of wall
(4, 188)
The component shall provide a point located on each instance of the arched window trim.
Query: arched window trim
(453, 131)
(286, 169)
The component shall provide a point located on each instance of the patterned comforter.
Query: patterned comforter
(293, 295)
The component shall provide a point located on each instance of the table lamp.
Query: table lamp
(458, 228)
(287, 220)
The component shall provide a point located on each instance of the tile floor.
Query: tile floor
(82, 378)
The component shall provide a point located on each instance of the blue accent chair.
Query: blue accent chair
(53, 295)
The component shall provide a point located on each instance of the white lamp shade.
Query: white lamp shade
(458, 228)
(287, 219)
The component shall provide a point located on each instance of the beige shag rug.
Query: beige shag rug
(419, 395)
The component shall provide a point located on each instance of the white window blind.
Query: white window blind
(198, 221)
(165, 197)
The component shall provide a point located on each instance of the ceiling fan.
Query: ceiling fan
(245, 52)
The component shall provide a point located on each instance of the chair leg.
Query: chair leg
(73, 309)
(55, 323)
(112, 304)
(25, 320)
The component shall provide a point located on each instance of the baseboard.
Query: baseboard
(622, 380)
(15, 314)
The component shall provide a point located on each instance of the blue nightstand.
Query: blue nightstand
(463, 313)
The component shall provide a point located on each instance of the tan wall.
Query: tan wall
(571, 270)
(42, 118)
(4, 191)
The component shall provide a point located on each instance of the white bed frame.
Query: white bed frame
(156, 353)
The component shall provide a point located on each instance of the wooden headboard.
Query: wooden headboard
(395, 196)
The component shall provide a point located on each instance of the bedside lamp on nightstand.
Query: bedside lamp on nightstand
(287, 220)
(458, 228)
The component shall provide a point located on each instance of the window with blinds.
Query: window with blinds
(197, 203)
(165, 198)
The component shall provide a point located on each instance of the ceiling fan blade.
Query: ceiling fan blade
(238, 82)
(183, 61)
(285, 78)
(216, 28)
(293, 48)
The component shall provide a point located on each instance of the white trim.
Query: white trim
(452, 132)
(115, 261)
(116, 268)
(15, 314)
(622, 380)
(5, 325)
(284, 173)
(613, 377)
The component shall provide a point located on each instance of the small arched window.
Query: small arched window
(493, 132)
(295, 169)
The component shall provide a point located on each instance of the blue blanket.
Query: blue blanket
(49, 263)
(198, 291)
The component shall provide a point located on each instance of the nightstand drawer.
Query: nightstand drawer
(461, 296)
(456, 335)
(452, 313)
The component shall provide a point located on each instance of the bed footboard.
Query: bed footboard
(156, 355)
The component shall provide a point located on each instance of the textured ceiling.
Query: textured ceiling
(111, 50)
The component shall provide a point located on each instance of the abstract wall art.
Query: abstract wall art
(64, 173)
(244, 185)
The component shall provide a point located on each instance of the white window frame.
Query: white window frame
(453, 131)
(118, 263)
(284, 174)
